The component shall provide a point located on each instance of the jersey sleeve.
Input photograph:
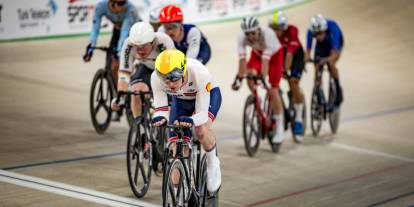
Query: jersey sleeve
(194, 42)
(309, 40)
(241, 46)
(202, 104)
(294, 42)
(160, 97)
(96, 22)
(126, 58)
(335, 35)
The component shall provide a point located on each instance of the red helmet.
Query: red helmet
(171, 13)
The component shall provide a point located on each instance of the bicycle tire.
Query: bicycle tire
(334, 115)
(248, 121)
(168, 189)
(316, 113)
(103, 99)
(138, 160)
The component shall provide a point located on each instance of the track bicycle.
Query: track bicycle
(320, 108)
(145, 146)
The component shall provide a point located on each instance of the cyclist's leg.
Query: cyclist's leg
(208, 140)
(254, 66)
(275, 75)
(114, 44)
(140, 81)
(335, 74)
(298, 97)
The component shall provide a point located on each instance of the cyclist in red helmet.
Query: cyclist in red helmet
(187, 37)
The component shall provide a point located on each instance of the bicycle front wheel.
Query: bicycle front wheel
(101, 94)
(175, 187)
(251, 127)
(139, 161)
(317, 110)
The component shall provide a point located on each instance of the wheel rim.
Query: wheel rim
(139, 160)
(175, 196)
(100, 100)
(251, 127)
(316, 115)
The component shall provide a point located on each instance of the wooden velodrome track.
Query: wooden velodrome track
(46, 133)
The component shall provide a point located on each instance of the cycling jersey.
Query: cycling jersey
(333, 39)
(290, 40)
(267, 45)
(129, 53)
(193, 44)
(291, 44)
(122, 21)
(197, 89)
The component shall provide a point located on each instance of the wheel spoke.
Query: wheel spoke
(136, 171)
(144, 175)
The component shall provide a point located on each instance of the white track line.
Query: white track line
(70, 190)
(371, 152)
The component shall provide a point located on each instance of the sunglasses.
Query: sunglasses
(250, 33)
(143, 46)
(175, 75)
(172, 26)
(118, 3)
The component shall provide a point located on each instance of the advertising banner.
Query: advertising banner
(42, 18)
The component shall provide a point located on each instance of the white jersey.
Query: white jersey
(198, 87)
(267, 45)
(129, 53)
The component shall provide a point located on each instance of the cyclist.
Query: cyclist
(187, 37)
(139, 52)
(122, 14)
(266, 58)
(329, 44)
(196, 100)
(154, 18)
(294, 61)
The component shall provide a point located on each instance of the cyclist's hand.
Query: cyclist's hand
(237, 83)
(185, 121)
(88, 54)
(158, 121)
(285, 74)
(116, 103)
(265, 81)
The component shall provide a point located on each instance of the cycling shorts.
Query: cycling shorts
(142, 75)
(275, 66)
(298, 63)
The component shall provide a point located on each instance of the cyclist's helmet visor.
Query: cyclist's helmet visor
(175, 75)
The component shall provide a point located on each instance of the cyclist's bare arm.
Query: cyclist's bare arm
(242, 67)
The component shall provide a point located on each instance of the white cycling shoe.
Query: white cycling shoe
(213, 174)
(279, 135)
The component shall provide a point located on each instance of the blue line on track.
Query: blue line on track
(227, 138)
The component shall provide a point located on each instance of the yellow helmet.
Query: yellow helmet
(171, 65)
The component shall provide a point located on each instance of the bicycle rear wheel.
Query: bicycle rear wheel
(175, 194)
(334, 115)
(101, 94)
(317, 110)
(251, 127)
(139, 161)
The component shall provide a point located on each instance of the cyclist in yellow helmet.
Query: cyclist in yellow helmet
(196, 100)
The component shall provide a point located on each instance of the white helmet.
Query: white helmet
(278, 20)
(249, 24)
(318, 24)
(141, 33)
(154, 15)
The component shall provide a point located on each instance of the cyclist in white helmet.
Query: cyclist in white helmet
(137, 61)
(266, 59)
(294, 61)
(154, 18)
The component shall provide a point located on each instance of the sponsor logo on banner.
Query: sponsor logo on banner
(37, 17)
(80, 13)
(218, 7)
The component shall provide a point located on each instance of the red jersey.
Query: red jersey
(290, 40)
